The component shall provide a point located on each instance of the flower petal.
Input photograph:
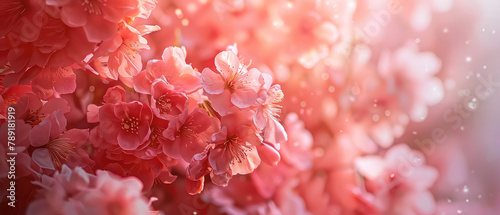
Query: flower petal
(220, 160)
(41, 157)
(40, 134)
(221, 102)
(128, 141)
(212, 82)
(244, 97)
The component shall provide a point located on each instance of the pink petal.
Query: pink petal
(423, 177)
(57, 3)
(30, 74)
(74, 15)
(77, 136)
(42, 157)
(42, 87)
(128, 141)
(268, 154)
(116, 10)
(115, 94)
(144, 131)
(200, 117)
(227, 63)
(144, 174)
(194, 187)
(198, 167)
(172, 149)
(40, 134)
(221, 179)
(64, 80)
(167, 177)
(76, 49)
(141, 83)
(212, 82)
(99, 30)
(220, 137)
(259, 119)
(370, 167)
(220, 160)
(174, 52)
(58, 123)
(249, 164)
(189, 147)
(160, 87)
(266, 80)
(156, 69)
(244, 98)
(275, 133)
(187, 83)
(108, 121)
(221, 102)
(125, 61)
(55, 104)
(252, 79)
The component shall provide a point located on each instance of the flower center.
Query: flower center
(156, 132)
(93, 6)
(279, 96)
(164, 105)
(231, 85)
(237, 149)
(274, 109)
(34, 117)
(59, 150)
(187, 131)
(130, 125)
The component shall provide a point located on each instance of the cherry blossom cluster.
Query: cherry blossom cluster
(111, 111)
(223, 123)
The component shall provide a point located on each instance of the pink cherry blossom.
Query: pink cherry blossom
(54, 80)
(416, 80)
(267, 113)
(172, 68)
(54, 146)
(122, 52)
(31, 42)
(147, 162)
(33, 111)
(233, 85)
(99, 19)
(188, 133)
(400, 181)
(126, 123)
(235, 149)
(167, 100)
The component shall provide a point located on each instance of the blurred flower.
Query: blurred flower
(77, 192)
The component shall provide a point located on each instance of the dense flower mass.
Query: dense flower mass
(83, 193)
(224, 106)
